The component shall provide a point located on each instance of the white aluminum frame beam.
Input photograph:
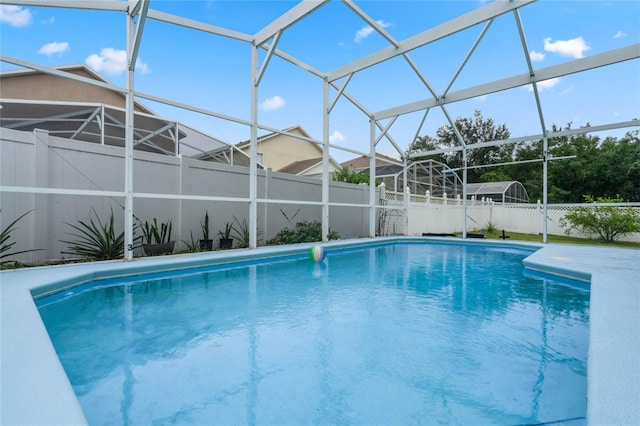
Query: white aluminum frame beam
(438, 32)
(287, 19)
(63, 74)
(537, 137)
(267, 59)
(578, 65)
(142, 6)
(107, 5)
(468, 56)
(197, 25)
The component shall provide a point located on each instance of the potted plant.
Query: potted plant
(226, 242)
(157, 238)
(205, 243)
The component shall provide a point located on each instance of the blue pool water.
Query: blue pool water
(395, 334)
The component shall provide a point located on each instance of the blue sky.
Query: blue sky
(213, 72)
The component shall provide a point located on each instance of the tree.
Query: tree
(608, 167)
(345, 174)
(607, 222)
(426, 143)
(473, 130)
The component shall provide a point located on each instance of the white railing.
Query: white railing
(428, 214)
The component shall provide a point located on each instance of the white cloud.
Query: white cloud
(365, 32)
(49, 21)
(15, 16)
(336, 136)
(546, 84)
(620, 34)
(536, 56)
(53, 48)
(272, 104)
(574, 47)
(142, 67)
(113, 61)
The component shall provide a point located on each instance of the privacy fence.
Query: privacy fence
(61, 182)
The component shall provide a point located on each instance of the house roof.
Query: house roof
(273, 134)
(81, 70)
(362, 162)
(300, 166)
(82, 120)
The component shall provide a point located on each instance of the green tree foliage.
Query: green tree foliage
(606, 222)
(608, 167)
(345, 174)
(474, 129)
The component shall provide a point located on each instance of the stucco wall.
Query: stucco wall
(279, 150)
(52, 88)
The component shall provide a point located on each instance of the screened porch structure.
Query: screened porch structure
(105, 124)
(502, 192)
(268, 46)
(421, 176)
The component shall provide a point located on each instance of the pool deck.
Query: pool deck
(34, 388)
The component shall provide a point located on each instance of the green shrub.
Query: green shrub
(606, 222)
(304, 232)
(96, 240)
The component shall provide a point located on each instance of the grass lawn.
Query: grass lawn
(495, 235)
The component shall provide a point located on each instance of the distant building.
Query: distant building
(288, 154)
(362, 162)
(73, 109)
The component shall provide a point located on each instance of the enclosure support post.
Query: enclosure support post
(128, 148)
(372, 177)
(464, 192)
(407, 196)
(545, 166)
(325, 161)
(253, 151)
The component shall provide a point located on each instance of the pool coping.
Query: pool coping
(34, 388)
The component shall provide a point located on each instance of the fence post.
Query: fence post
(407, 200)
(538, 217)
(40, 201)
(444, 198)
(427, 195)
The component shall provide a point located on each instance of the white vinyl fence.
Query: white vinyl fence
(441, 215)
(61, 181)
(66, 180)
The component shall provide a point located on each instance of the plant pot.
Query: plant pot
(158, 249)
(226, 243)
(206, 244)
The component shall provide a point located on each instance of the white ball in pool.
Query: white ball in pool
(316, 253)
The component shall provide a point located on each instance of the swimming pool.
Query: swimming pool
(397, 333)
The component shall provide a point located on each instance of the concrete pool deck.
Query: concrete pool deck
(34, 388)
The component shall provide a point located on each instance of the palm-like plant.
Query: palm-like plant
(155, 233)
(5, 236)
(96, 240)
